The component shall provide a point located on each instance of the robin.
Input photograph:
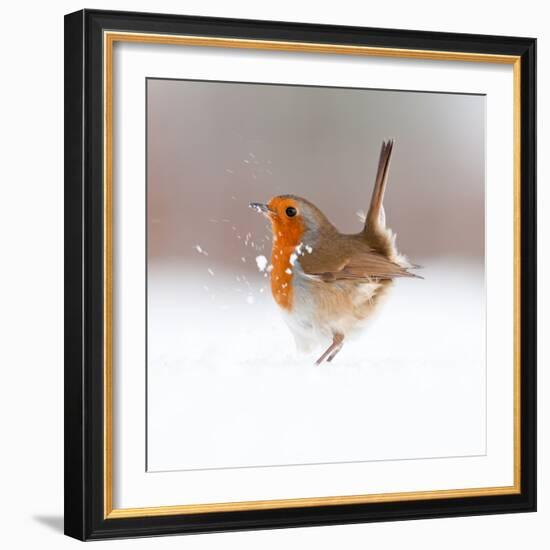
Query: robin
(326, 282)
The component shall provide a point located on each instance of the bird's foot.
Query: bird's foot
(332, 350)
(334, 353)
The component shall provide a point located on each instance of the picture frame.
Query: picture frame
(91, 436)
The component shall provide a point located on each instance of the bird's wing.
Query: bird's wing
(351, 265)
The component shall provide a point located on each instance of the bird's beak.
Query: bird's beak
(261, 208)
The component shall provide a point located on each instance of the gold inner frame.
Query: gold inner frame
(109, 39)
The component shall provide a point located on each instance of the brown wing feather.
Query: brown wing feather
(350, 258)
(371, 266)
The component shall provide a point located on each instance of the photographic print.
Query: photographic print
(300, 275)
(315, 275)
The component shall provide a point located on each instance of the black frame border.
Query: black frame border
(84, 411)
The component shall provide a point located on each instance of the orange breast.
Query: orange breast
(287, 235)
(281, 275)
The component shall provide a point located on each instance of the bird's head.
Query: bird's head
(293, 219)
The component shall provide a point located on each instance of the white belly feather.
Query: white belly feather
(320, 309)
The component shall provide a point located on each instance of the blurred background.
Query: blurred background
(216, 340)
(214, 147)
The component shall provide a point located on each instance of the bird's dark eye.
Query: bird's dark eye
(291, 211)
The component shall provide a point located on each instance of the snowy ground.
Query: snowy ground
(226, 388)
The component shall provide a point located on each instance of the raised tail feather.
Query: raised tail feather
(377, 235)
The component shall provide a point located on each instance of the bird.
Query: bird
(327, 283)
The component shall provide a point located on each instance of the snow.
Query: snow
(361, 216)
(299, 252)
(226, 387)
(256, 208)
(261, 262)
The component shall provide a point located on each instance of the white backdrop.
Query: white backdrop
(31, 223)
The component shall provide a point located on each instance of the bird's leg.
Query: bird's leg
(335, 352)
(333, 349)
